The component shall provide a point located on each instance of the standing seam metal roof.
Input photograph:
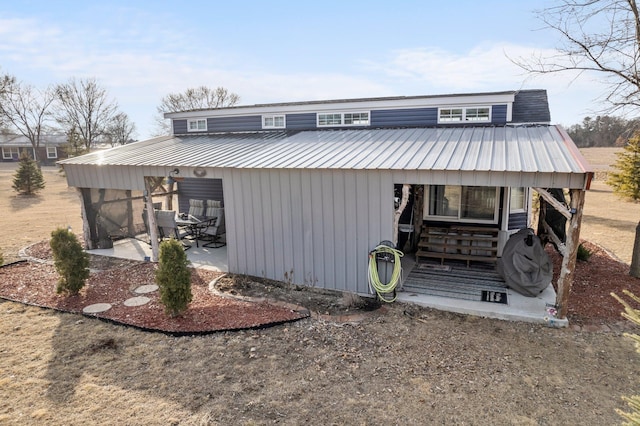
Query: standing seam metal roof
(541, 148)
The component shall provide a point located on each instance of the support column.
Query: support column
(151, 220)
(567, 270)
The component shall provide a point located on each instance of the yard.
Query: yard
(406, 366)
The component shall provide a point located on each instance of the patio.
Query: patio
(518, 307)
(214, 259)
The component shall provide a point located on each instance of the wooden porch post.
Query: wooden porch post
(569, 260)
(151, 220)
(86, 228)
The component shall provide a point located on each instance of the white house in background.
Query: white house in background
(308, 187)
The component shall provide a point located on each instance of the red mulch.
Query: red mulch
(34, 283)
(590, 300)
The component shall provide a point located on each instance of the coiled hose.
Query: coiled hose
(374, 279)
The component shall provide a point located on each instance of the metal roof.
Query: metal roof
(535, 149)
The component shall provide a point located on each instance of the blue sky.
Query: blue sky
(281, 51)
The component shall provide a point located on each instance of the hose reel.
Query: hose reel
(385, 252)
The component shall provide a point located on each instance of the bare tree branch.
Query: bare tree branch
(26, 110)
(120, 130)
(598, 36)
(85, 106)
(202, 97)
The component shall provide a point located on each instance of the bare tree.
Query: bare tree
(598, 36)
(85, 105)
(120, 130)
(193, 99)
(26, 110)
(602, 37)
(6, 80)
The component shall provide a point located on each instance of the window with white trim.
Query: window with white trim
(462, 203)
(10, 153)
(464, 114)
(517, 200)
(334, 119)
(273, 122)
(52, 152)
(197, 125)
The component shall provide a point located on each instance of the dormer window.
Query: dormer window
(338, 119)
(199, 125)
(273, 122)
(464, 114)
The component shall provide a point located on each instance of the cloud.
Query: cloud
(140, 64)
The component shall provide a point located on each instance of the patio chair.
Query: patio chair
(167, 227)
(216, 228)
(196, 208)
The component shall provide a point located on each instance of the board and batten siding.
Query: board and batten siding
(303, 121)
(404, 117)
(308, 227)
(198, 189)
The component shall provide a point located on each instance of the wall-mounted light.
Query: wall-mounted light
(173, 176)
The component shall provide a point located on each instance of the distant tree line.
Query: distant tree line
(603, 131)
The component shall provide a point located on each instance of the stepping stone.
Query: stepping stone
(146, 289)
(96, 308)
(137, 301)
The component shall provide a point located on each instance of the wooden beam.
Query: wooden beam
(568, 267)
(559, 244)
(86, 228)
(169, 196)
(151, 220)
(561, 208)
(396, 220)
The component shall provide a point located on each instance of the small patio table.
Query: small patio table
(194, 224)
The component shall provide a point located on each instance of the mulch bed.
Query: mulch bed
(34, 283)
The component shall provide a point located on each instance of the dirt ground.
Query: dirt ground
(407, 366)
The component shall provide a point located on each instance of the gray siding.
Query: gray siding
(235, 124)
(199, 189)
(179, 127)
(309, 227)
(408, 117)
(517, 220)
(531, 106)
(499, 114)
(404, 117)
(304, 121)
(224, 124)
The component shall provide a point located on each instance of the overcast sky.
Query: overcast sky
(279, 51)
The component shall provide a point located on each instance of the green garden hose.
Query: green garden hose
(374, 279)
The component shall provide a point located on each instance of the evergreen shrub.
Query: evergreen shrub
(70, 261)
(28, 178)
(173, 277)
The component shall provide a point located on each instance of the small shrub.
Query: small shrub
(70, 261)
(583, 253)
(174, 278)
